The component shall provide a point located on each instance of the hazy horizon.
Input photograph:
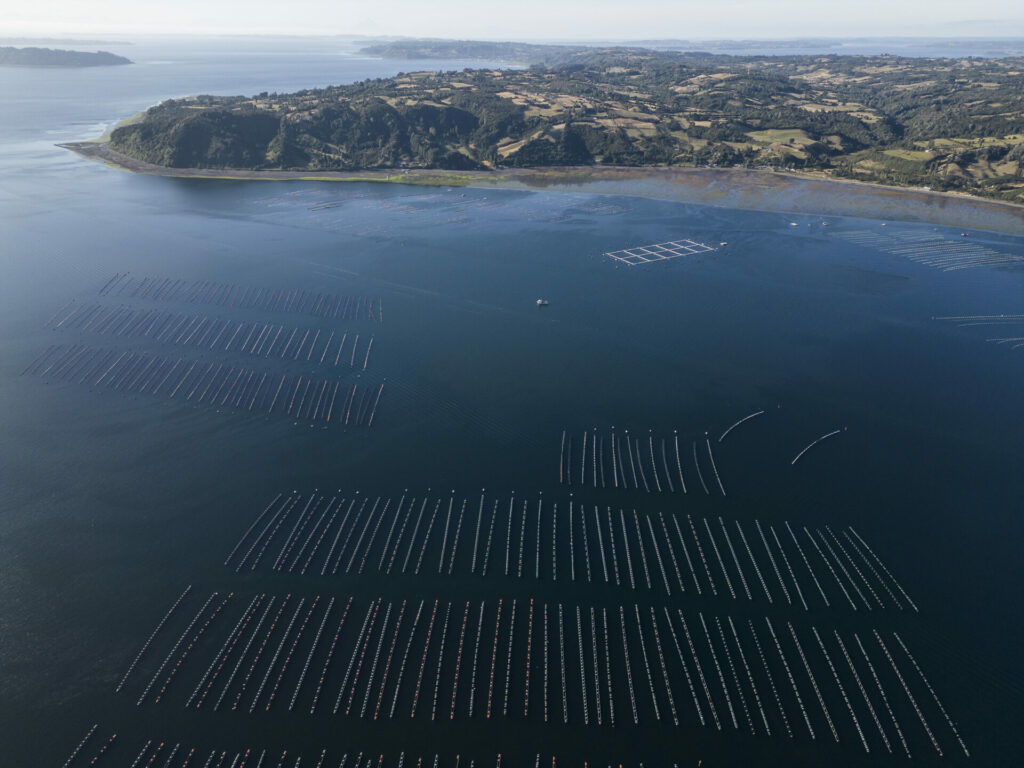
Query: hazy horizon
(127, 38)
(602, 20)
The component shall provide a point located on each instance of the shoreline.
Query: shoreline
(749, 189)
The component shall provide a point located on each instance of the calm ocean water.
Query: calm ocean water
(110, 504)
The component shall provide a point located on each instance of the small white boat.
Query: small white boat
(542, 302)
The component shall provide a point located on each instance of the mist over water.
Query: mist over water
(113, 502)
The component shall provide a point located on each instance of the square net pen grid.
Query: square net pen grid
(646, 254)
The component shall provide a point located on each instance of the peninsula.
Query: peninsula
(472, 50)
(941, 124)
(56, 57)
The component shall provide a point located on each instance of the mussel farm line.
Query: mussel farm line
(662, 666)
(823, 437)
(645, 460)
(167, 754)
(208, 332)
(632, 464)
(1004, 319)
(155, 753)
(313, 400)
(931, 249)
(623, 549)
(318, 304)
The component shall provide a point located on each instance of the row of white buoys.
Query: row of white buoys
(935, 696)
(664, 666)
(750, 676)
(186, 651)
(583, 671)
(657, 554)
(265, 340)
(149, 754)
(741, 664)
(600, 543)
(529, 666)
(643, 553)
(145, 751)
(376, 659)
(405, 658)
(718, 556)
(80, 745)
(291, 652)
(546, 657)
(842, 567)
(423, 661)
(686, 668)
(611, 544)
(209, 678)
(906, 690)
(668, 472)
(863, 692)
(771, 680)
(654, 466)
(253, 668)
(686, 552)
(149, 640)
(458, 659)
(476, 657)
(738, 423)
(735, 677)
(842, 691)
(814, 443)
(387, 664)
(440, 660)
(490, 538)
(608, 666)
(110, 742)
(244, 654)
(718, 669)
(629, 670)
(933, 250)
(508, 663)
(641, 463)
(494, 660)
(319, 304)
(277, 653)
(789, 675)
(362, 652)
(304, 399)
(174, 649)
(814, 682)
(607, 540)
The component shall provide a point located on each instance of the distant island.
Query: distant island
(21, 42)
(472, 50)
(55, 57)
(941, 124)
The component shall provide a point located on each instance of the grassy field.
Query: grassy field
(781, 136)
(914, 156)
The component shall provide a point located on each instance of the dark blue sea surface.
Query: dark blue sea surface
(112, 502)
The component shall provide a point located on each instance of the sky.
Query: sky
(520, 19)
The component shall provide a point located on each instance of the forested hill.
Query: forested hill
(947, 124)
(54, 57)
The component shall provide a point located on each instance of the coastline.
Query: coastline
(750, 189)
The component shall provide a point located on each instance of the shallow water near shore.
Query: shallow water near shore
(112, 503)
